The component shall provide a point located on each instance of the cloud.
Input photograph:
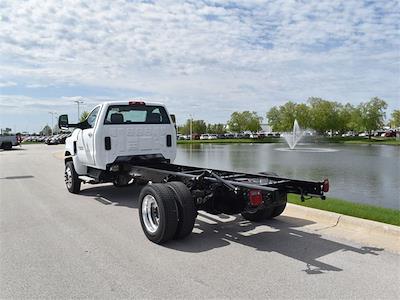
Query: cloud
(36, 86)
(230, 55)
(7, 84)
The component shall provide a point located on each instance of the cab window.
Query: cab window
(141, 114)
(91, 119)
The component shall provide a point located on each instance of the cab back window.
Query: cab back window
(136, 114)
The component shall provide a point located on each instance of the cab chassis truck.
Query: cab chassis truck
(134, 142)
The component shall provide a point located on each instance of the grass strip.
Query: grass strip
(363, 140)
(364, 211)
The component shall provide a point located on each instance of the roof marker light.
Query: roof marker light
(136, 103)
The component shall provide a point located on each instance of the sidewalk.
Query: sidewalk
(362, 231)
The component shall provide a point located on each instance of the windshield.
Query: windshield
(136, 114)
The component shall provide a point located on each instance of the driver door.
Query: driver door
(85, 143)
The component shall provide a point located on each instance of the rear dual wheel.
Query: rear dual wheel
(187, 211)
(166, 211)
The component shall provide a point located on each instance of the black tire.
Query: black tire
(279, 209)
(258, 215)
(72, 180)
(187, 211)
(158, 212)
(266, 213)
(7, 145)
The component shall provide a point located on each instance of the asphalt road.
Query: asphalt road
(54, 244)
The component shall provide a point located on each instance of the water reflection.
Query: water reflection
(360, 173)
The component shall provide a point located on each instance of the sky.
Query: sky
(204, 59)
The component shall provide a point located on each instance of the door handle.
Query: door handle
(90, 134)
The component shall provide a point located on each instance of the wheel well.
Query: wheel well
(67, 156)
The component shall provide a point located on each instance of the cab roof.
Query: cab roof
(132, 102)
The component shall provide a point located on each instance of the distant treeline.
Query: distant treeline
(317, 114)
(323, 116)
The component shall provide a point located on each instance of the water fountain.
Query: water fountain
(293, 138)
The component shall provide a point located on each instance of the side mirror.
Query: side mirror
(63, 121)
(173, 119)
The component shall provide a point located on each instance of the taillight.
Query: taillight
(255, 197)
(325, 185)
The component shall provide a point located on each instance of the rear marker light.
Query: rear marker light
(255, 197)
(325, 185)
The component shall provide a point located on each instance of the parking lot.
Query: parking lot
(54, 244)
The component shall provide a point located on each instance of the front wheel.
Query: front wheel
(72, 180)
(158, 212)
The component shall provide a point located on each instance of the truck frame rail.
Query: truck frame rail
(233, 181)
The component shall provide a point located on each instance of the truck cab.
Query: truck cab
(117, 134)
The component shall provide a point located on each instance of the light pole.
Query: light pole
(78, 102)
(52, 121)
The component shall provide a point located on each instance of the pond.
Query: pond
(367, 174)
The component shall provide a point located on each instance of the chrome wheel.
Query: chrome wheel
(68, 177)
(150, 213)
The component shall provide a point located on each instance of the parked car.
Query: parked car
(390, 133)
(204, 136)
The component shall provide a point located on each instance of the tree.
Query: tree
(84, 116)
(282, 118)
(246, 120)
(395, 121)
(5, 131)
(324, 115)
(198, 126)
(56, 130)
(46, 130)
(372, 114)
(354, 123)
(216, 128)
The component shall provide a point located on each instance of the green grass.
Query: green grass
(364, 211)
(232, 141)
(363, 140)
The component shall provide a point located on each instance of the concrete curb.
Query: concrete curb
(356, 229)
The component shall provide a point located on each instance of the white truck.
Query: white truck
(134, 142)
